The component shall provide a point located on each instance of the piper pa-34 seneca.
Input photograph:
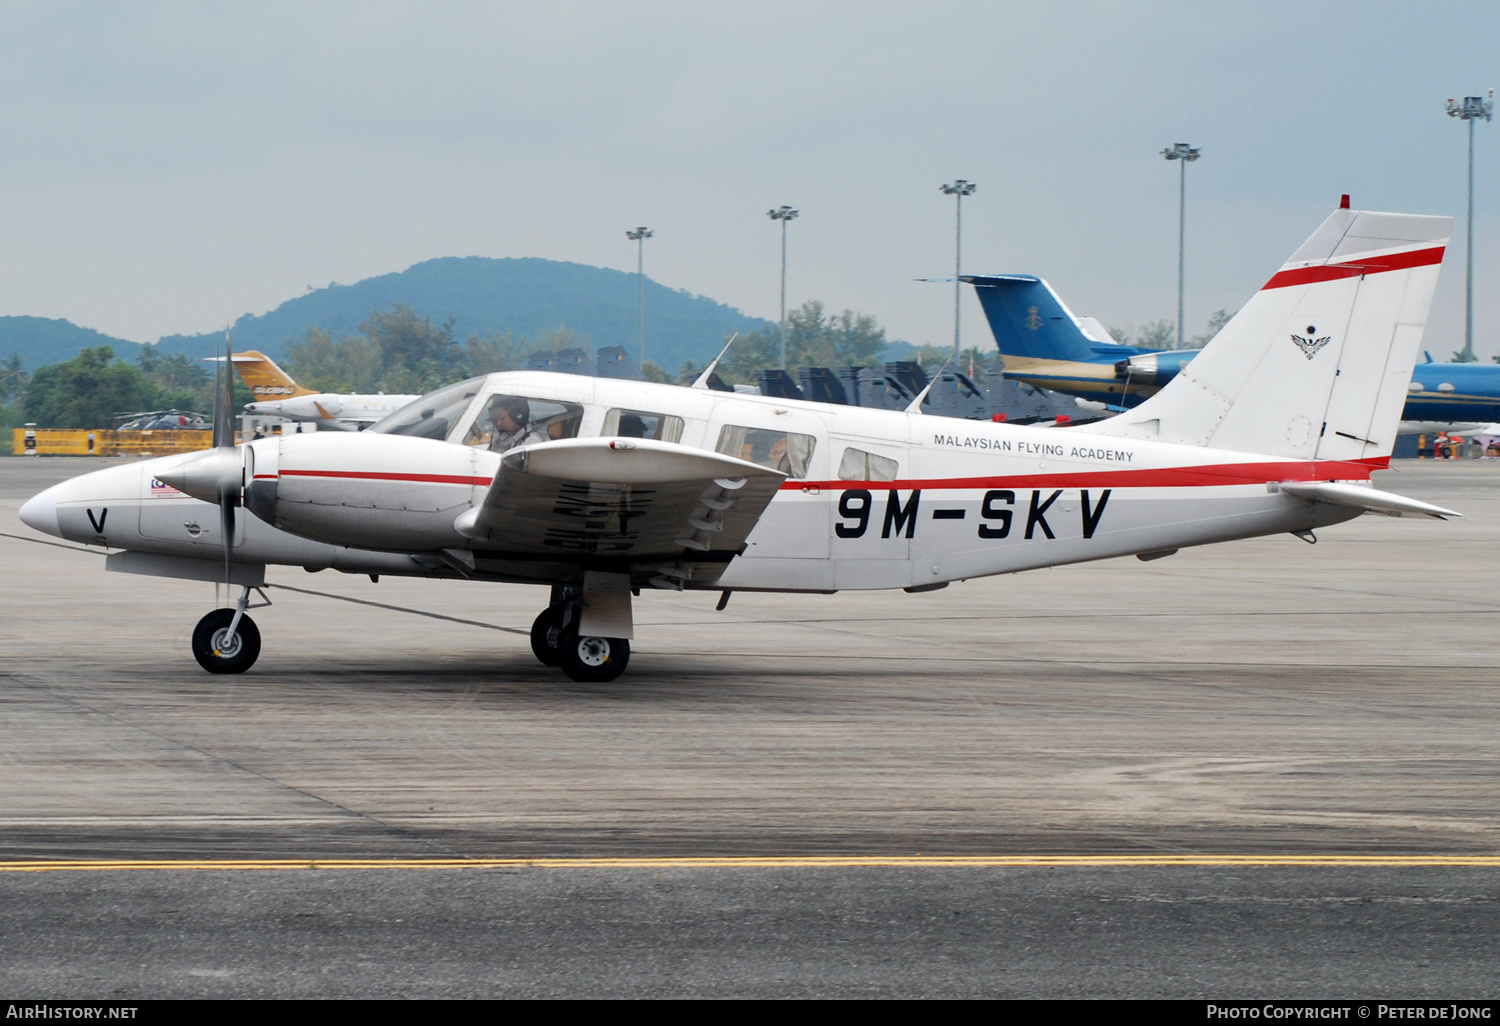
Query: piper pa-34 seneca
(600, 488)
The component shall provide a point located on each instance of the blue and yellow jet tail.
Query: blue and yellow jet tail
(1043, 345)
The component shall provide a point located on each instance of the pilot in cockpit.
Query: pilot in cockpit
(510, 416)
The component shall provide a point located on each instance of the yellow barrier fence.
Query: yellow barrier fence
(85, 442)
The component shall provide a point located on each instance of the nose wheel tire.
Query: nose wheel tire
(219, 652)
(592, 660)
(546, 631)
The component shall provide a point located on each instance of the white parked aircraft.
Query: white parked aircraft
(615, 486)
(277, 395)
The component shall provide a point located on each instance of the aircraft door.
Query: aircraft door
(795, 525)
(874, 515)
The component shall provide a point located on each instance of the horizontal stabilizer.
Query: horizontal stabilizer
(1371, 500)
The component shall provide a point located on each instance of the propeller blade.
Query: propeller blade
(226, 524)
(224, 398)
(219, 370)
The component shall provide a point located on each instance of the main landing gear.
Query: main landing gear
(226, 640)
(556, 641)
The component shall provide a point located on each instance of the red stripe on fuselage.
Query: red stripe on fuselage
(375, 475)
(1372, 265)
(1211, 476)
(1214, 476)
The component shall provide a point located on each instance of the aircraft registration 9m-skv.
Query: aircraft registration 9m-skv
(600, 488)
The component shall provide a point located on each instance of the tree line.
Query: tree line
(97, 390)
(395, 351)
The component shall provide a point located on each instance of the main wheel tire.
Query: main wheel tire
(217, 653)
(592, 660)
(546, 631)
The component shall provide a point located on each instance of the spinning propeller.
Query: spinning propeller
(218, 475)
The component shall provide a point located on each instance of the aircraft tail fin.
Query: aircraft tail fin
(1030, 322)
(265, 379)
(1316, 364)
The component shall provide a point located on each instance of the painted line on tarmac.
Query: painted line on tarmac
(765, 862)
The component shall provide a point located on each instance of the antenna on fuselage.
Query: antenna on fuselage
(702, 381)
(916, 404)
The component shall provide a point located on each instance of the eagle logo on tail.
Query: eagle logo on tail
(1310, 346)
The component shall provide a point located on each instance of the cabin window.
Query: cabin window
(433, 414)
(858, 465)
(780, 450)
(508, 421)
(640, 424)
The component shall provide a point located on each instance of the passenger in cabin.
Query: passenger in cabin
(510, 416)
(776, 456)
(632, 426)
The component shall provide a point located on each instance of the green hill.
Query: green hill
(44, 340)
(527, 296)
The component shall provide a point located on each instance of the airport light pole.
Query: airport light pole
(958, 189)
(783, 214)
(1471, 110)
(639, 237)
(1186, 154)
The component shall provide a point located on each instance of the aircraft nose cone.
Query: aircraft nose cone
(40, 513)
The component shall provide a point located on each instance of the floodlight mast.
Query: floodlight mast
(958, 189)
(639, 237)
(1471, 110)
(1186, 154)
(783, 214)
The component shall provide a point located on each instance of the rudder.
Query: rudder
(1029, 321)
(265, 379)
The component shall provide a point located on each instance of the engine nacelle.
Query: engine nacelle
(1153, 368)
(383, 492)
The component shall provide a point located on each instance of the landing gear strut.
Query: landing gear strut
(226, 640)
(556, 641)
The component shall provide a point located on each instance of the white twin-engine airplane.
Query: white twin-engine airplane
(600, 487)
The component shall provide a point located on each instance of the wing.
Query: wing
(656, 510)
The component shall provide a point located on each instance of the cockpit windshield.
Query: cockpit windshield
(432, 415)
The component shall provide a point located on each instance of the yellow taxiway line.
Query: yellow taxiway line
(761, 862)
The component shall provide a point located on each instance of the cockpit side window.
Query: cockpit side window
(780, 450)
(431, 415)
(640, 424)
(508, 421)
(858, 465)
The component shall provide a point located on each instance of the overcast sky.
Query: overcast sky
(168, 167)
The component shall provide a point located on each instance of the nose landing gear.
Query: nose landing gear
(226, 640)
